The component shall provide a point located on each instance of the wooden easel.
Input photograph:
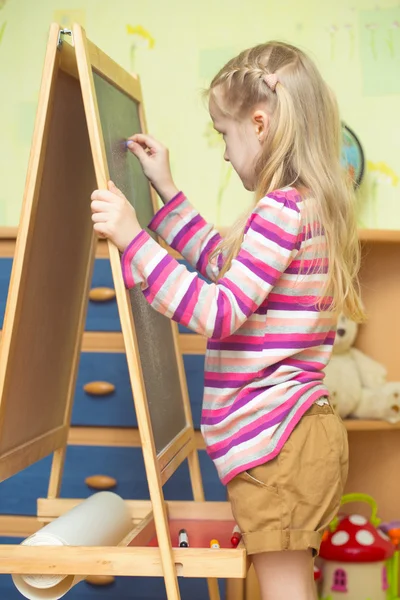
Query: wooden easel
(70, 156)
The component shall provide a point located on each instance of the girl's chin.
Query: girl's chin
(249, 186)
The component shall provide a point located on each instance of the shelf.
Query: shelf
(113, 341)
(122, 437)
(370, 425)
(8, 233)
(128, 437)
(379, 235)
(103, 341)
(192, 343)
(368, 235)
(18, 526)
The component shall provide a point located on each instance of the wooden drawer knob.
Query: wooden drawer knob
(101, 294)
(100, 482)
(100, 579)
(99, 388)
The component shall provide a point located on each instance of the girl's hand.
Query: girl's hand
(154, 159)
(114, 218)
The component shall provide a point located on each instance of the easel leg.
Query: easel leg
(235, 589)
(198, 495)
(195, 476)
(213, 589)
(57, 469)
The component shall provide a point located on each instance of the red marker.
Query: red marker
(236, 536)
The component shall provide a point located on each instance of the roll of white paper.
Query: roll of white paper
(101, 520)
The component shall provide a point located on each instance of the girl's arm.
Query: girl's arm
(181, 226)
(217, 310)
(177, 222)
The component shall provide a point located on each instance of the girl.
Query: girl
(275, 286)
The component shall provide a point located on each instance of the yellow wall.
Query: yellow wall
(176, 46)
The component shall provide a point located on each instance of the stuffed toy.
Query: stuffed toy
(381, 403)
(357, 383)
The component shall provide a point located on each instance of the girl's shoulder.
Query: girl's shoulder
(280, 208)
(286, 197)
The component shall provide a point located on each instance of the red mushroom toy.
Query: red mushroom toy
(317, 578)
(355, 558)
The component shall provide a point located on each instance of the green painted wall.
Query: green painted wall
(177, 46)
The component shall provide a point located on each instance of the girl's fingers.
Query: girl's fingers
(103, 195)
(144, 138)
(101, 229)
(113, 188)
(145, 141)
(138, 151)
(100, 206)
(100, 217)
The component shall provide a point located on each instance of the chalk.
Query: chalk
(214, 544)
(183, 539)
(236, 536)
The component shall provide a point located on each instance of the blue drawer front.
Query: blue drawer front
(117, 409)
(18, 494)
(102, 316)
(127, 467)
(8, 591)
(5, 274)
(124, 588)
(183, 329)
(114, 410)
(178, 486)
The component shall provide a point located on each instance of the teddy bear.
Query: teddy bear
(380, 403)
(357, 384)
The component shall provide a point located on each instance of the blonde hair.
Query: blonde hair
(302, 149)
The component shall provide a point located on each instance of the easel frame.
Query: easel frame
(152, 517)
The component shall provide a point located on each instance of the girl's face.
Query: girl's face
(243, 140)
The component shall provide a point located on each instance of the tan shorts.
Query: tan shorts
(287, 503)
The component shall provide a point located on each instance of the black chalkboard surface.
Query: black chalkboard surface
(119, 117)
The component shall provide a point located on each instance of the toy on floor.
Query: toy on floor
(392, 529)
(358, 558)
(357, 383)
(317, 578)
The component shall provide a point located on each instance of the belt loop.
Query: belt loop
(286, 539)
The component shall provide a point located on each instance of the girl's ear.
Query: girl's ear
(260, 121)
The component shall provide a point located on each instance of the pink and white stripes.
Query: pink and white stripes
(268, 341)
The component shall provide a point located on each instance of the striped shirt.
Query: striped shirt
(268, 342)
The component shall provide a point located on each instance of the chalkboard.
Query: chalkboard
(50, 279)
(88, 105)
(119, 117)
